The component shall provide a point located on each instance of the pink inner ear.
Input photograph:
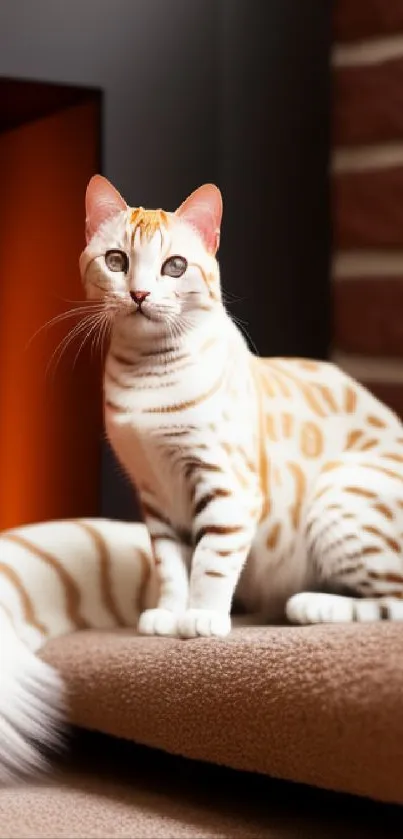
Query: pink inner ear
(102, 201)
(203, 210)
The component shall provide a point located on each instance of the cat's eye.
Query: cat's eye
(117, 261)
(175, 266)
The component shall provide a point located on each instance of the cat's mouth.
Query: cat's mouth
(141, 313)
(151, 312)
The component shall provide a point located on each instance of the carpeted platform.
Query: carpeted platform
(113, 789)
(318, 705)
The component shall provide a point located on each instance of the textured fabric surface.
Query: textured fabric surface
(120, 790)
(321, 705)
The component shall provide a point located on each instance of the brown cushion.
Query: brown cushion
(111, 788)
(321, 705)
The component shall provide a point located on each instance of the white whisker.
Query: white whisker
(88, 323)
(86, 338)
(80, 310)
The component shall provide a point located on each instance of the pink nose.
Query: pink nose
(139, 296)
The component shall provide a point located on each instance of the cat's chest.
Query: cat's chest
(155, 460)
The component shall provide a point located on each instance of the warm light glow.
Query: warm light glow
(50, 426)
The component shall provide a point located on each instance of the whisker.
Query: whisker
(96, 340)
(106, 335)
(103, 334)
(86, 337)
(230, 296)
(84, 309)
(243, 329)
(61, 348)
(75, 302)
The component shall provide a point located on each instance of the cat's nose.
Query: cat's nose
(139, 296)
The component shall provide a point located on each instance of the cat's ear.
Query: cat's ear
(203, 209)
(102, 201)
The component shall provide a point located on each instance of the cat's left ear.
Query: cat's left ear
(102, 201)
(203, 210)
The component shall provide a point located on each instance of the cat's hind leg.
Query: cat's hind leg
(354, 540)
(309, 607)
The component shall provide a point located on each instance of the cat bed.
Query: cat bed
(320, 705)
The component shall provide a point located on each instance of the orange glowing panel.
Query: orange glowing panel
(50, 422)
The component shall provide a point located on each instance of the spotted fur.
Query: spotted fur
(260, 479)
(276, 484)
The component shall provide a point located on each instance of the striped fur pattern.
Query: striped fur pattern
(275, 481)
(56, 578)
(275, 484)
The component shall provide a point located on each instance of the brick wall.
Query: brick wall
(367, 194)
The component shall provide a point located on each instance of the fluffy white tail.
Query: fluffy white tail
(57, 577)
(31, 707)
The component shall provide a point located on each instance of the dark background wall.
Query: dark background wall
(233, 91)
(272, 166)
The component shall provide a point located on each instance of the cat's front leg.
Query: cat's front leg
(223, 532)
(171, 558)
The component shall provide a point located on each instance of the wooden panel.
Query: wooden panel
(390, 394)
(368, 209)
(50, 425)
(368, 316)
(368, 103)
(359, 19)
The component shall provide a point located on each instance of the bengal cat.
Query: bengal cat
(278, 480)
(276, 483)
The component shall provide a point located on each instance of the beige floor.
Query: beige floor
(112, 789)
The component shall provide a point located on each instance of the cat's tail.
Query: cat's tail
(31, 706)
(55, 578)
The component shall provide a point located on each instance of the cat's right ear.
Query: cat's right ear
(102, 201)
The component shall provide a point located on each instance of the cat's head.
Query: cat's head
(157, 268)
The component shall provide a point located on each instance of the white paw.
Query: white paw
(315, 607)
(158, 622)
(204, 623)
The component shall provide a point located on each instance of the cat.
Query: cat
(275, 485)
(277, 481)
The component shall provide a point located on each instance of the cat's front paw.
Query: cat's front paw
(205, 623)
(158, 622)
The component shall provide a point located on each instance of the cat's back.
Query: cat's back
(321, 389)
(305, 372)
